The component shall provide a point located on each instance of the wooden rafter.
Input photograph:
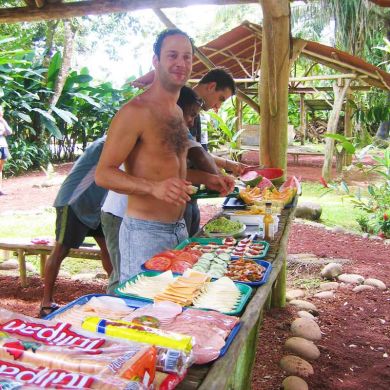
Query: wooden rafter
(60, 10)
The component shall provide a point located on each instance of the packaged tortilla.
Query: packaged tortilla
(27, 376)
(173, 349)
(59, 346)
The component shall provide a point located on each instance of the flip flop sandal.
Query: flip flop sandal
(46, 310)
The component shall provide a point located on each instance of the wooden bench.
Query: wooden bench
(23, 247)
(296, 154)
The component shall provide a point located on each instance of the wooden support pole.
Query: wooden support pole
(279, 289)
(239, 119)
(22, 267)
(273, 88)
(302, 112)
(43, 258)
(348, 126)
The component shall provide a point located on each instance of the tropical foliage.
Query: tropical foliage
(43, 131)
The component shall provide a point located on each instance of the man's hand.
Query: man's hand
(173, 190)
(236, 168)
(223, 184)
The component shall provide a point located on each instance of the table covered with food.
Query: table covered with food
(188, 320)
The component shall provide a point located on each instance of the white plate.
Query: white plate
(232, 234)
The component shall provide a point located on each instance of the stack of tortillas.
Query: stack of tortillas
(184, 288)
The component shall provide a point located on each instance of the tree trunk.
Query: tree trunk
(69, 35)
(273, 88)
(339, 95)
(347, 158)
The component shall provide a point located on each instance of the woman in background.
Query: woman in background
(5, 131)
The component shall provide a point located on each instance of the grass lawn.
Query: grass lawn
(337, 209)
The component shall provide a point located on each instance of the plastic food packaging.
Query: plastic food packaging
(59, 346)
(173, 349)
(28, 376)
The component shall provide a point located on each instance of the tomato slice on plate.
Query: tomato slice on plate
(158, 263)
(188, 257)
(179, 266)
(168, 254)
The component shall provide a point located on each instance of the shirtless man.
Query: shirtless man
(148, 134)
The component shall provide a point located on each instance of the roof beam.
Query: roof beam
(60, 10)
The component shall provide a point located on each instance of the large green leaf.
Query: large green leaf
(51, 127)
(44, 114)
(54, 68)
(24, 117)
(86, 98)
(66, 116)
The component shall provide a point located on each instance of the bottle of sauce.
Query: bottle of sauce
(268, 222)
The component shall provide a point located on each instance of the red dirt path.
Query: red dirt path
(356, 329)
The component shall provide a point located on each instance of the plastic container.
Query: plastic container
(246, 292)
(234, 204)
(134, 303)
(260, 256)
(248, 219)
(264, 279)
(201, 241)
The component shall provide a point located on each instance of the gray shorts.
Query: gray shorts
(139, 240)
(111, 225)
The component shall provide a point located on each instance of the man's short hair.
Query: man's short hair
(188, 97)
(167, 33)
(222, 77)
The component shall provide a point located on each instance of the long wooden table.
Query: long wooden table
(233, 370)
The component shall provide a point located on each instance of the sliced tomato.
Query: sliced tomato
(168, 254)
(158, 263)
(188, 257)
(179, 266)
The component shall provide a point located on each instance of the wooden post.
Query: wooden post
(302, 111)
(239, 119)
(42, 265)
(278, 298)
(242, 376)
(348, 126)
(273, 87)
(339, 95)
(22, 267)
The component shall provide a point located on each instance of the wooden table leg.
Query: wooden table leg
(43, 262)
(279, 288)
(22, 267)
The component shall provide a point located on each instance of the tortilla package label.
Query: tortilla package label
(59, 346)
(40, 377)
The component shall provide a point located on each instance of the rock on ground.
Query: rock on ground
(306, 328)
(351, 278)
(304, 305)
(331, 270)
(325, 294)
(295, 365)
(294, 294)
(294, 383)
(376, 283)
(363, 287)
(329, 286)
(9, 264)
(306, 314)
(303, 348)
(308, 210)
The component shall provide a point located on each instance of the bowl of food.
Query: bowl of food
(224, 227)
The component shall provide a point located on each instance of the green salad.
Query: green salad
(223, 225)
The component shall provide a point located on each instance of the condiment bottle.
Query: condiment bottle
(268, 222)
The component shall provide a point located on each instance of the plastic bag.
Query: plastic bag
(60, 346)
